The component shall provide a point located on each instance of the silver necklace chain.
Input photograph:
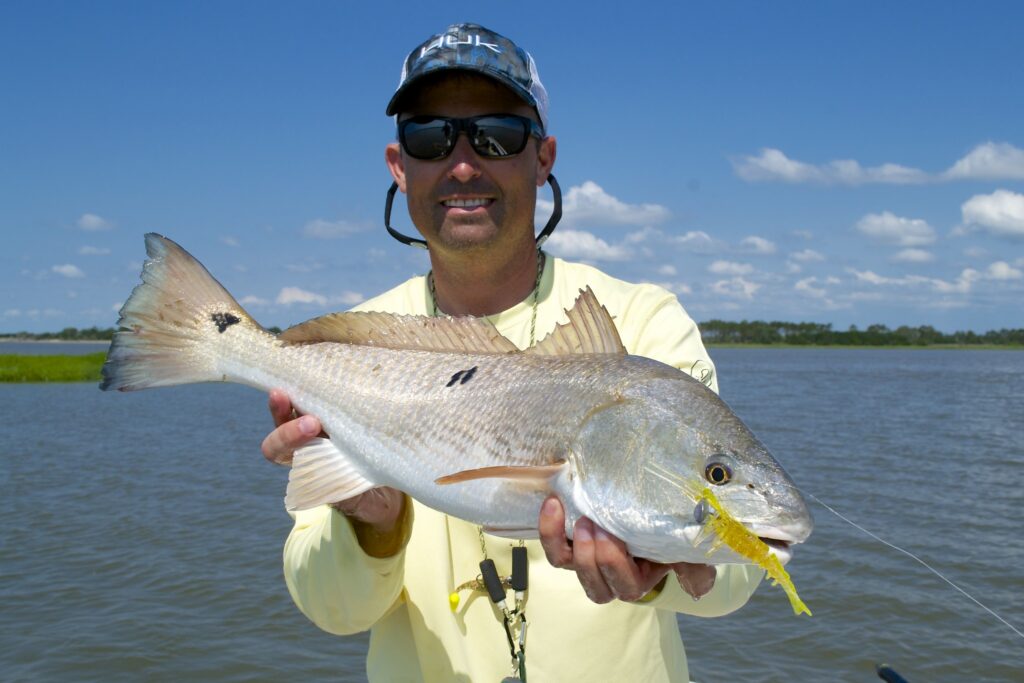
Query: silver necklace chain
(535, 294)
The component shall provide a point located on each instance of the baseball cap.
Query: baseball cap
(471, 47)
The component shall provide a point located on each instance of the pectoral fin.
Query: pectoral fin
(529, 473)
(322, 474)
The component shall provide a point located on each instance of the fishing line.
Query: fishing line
(918, 559)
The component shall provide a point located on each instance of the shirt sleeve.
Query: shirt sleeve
(734, 585)
(333, 582)
(657, 327)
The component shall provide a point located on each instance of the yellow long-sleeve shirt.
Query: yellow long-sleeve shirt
(403, 599)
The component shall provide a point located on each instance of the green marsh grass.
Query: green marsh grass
(43, 368)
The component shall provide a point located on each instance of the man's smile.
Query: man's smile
(468, 203)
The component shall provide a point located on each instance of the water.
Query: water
(50, 348)
(142, 533)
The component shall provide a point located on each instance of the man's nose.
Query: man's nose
(463, 162)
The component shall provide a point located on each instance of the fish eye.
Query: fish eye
(717, 473)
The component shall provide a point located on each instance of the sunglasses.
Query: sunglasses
(492, 136)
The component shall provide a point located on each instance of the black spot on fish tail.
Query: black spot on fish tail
(224, 321)
(461, 377)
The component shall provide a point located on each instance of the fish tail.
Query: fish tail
(171, 325)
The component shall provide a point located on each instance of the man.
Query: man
(383, 562)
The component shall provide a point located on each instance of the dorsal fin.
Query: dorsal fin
(590, 330)
(403, 332)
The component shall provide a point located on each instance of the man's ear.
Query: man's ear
(546, 154)
(396, 164)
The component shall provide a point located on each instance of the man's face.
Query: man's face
(465, 201)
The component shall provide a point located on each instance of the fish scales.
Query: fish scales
(396, 412)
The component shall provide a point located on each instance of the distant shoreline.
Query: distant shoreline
(29, 340)
(879, 347)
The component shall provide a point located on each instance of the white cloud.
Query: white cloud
(578, 244)
(987, 161)
(736, 288)
(975, 252)
(891, 229)
(806, 234)
(12, 313)
(873, 278)
(696, 240)
(990, 161)
(230, 241)
(319, 228)
(348, 298)
(730, 268)
(92, 222)
(68, 270)
(1000, 213)
(774, 165)
(758, 245)
(963, 283)
(254, 301)
(93, 251)
(294, 295)
(588, 204)
(667, 270)
(807, 287)
(806, 256)
(1001, 270)
(642, 235)
(914, 256)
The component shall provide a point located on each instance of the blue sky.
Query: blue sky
(849, 163)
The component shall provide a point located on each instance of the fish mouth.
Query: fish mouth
(779, 539)
(778, 547)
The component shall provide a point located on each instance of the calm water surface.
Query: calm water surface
(142, 533)
(49, 348)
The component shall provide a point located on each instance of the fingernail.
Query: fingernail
(550, 507)
(582, 532)
(600, 534)
(307, 425)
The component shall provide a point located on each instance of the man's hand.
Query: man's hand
(292, 430)
(605, 568)
(375, 514)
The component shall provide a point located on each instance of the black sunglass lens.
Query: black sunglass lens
(499, 136)
(430, 139)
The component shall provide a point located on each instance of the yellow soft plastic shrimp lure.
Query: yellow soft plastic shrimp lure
(730, 532)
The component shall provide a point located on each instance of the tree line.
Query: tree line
(724, 332)
(819, 334)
